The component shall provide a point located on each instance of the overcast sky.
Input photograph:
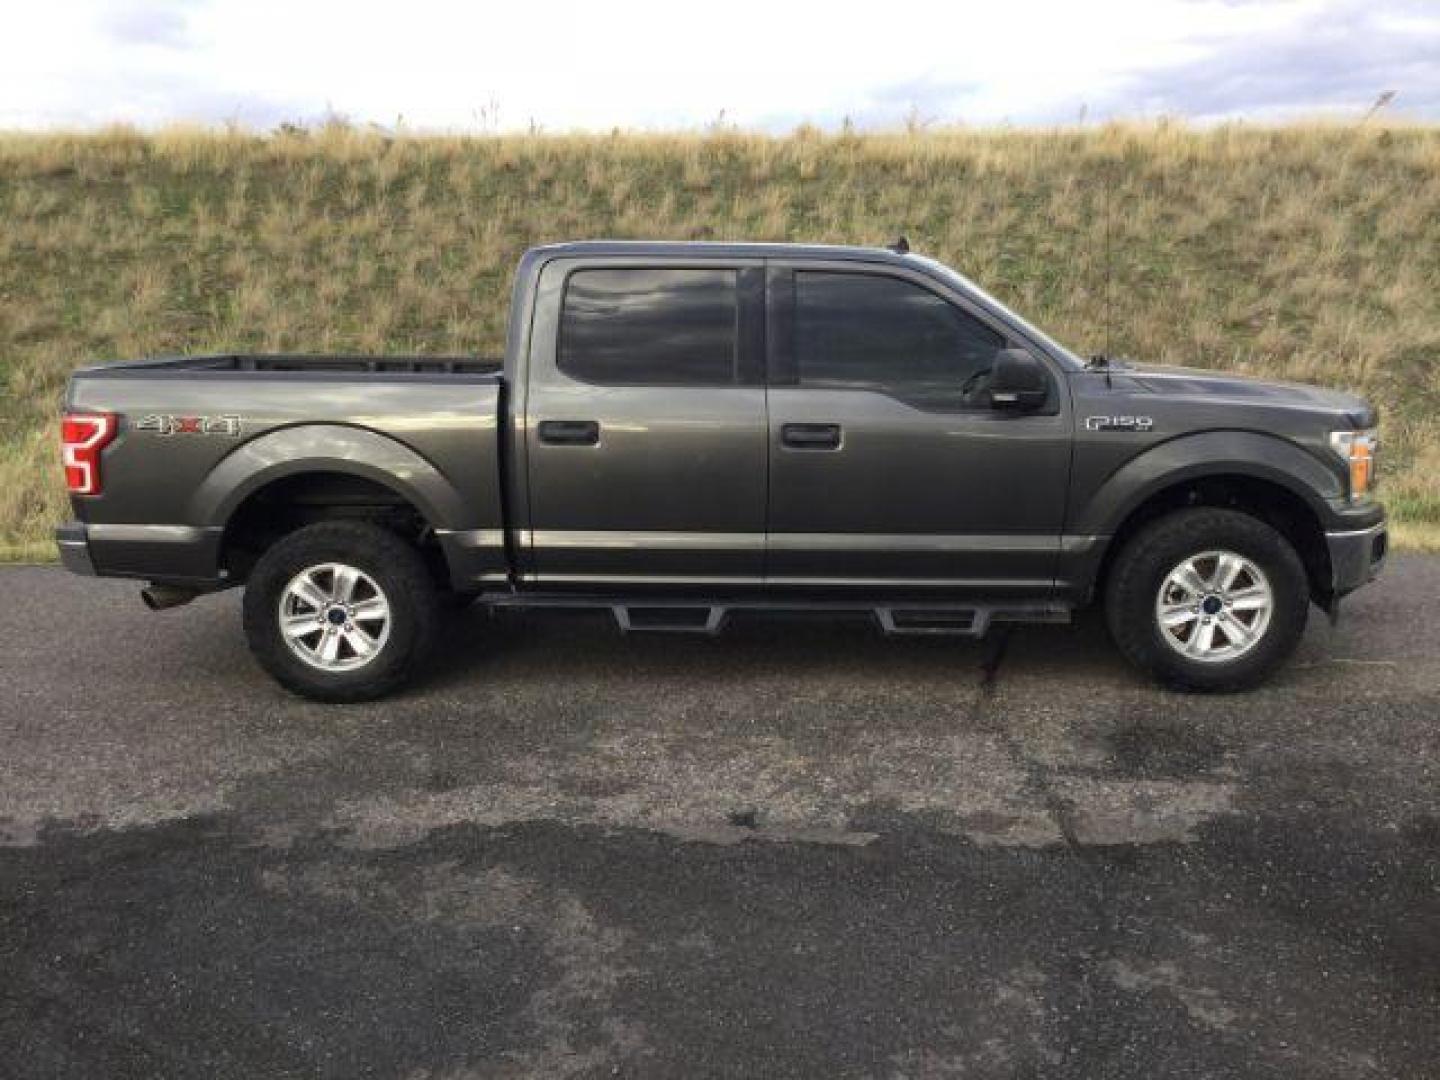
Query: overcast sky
(768, 65)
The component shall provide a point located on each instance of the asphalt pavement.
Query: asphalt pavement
(800, 849)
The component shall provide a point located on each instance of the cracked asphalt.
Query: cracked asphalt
(798, 850)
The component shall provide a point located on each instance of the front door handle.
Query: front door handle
(569, 432)
(810, 436)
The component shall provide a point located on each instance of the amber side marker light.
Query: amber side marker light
(1358, 450)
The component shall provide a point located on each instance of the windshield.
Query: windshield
(964, 284)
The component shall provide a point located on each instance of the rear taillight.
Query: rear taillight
(82, 437)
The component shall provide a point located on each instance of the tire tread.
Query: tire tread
(1134, 579)
(402, 574)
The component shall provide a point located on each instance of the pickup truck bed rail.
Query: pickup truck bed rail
(304, 363)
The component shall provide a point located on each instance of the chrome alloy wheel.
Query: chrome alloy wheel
(1214, 606)
(334, 617)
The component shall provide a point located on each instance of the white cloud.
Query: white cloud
(642, 63)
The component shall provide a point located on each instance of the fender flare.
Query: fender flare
(330, 448)
(1211, 453)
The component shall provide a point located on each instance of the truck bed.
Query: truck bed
(199, 438)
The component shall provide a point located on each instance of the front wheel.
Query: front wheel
(340, 611)
(1207, 599)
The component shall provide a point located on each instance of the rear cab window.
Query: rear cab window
(651, 326)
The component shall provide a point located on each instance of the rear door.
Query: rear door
(888, 467)
(645, 428)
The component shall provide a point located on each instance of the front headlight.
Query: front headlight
(1358, 450)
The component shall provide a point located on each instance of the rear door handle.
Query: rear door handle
(569, 432)
(810, 436)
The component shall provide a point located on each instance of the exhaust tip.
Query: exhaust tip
(160, 597)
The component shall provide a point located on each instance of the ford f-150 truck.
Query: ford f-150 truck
(679, 431)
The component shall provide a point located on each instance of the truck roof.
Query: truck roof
(722, 249)
(537, 257)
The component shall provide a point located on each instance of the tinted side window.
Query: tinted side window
(867, 331)
(648, 326)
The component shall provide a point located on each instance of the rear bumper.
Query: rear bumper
(1356, 556)
(74, 548)
(178, 554)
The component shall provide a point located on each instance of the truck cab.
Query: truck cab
(787, 419)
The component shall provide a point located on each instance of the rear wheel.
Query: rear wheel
(1207, 599)
(340, 611)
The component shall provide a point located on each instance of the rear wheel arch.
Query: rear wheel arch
(326, 448)
(286, 504)
(297, 476)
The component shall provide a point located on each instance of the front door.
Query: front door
(645, 426)
(889, 469)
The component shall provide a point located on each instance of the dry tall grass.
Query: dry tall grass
(1305, 252)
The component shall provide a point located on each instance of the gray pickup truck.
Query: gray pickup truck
(679, 431)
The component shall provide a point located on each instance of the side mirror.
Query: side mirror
(1018, 381)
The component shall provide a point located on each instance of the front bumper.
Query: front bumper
(74, 547)
(1356, 556)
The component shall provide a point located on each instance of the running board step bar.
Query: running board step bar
(969, 621)
(966, 621)
(669, 619)
(703, 615)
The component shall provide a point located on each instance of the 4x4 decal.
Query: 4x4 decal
(162, 424)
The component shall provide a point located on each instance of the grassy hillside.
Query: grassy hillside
(1307, 252)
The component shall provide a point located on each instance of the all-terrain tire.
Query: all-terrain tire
(1145, 563)
(395, 568)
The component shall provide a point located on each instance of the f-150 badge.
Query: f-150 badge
(162, 424)
(1119, 423)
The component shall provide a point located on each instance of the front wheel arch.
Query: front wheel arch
(1265, 500)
